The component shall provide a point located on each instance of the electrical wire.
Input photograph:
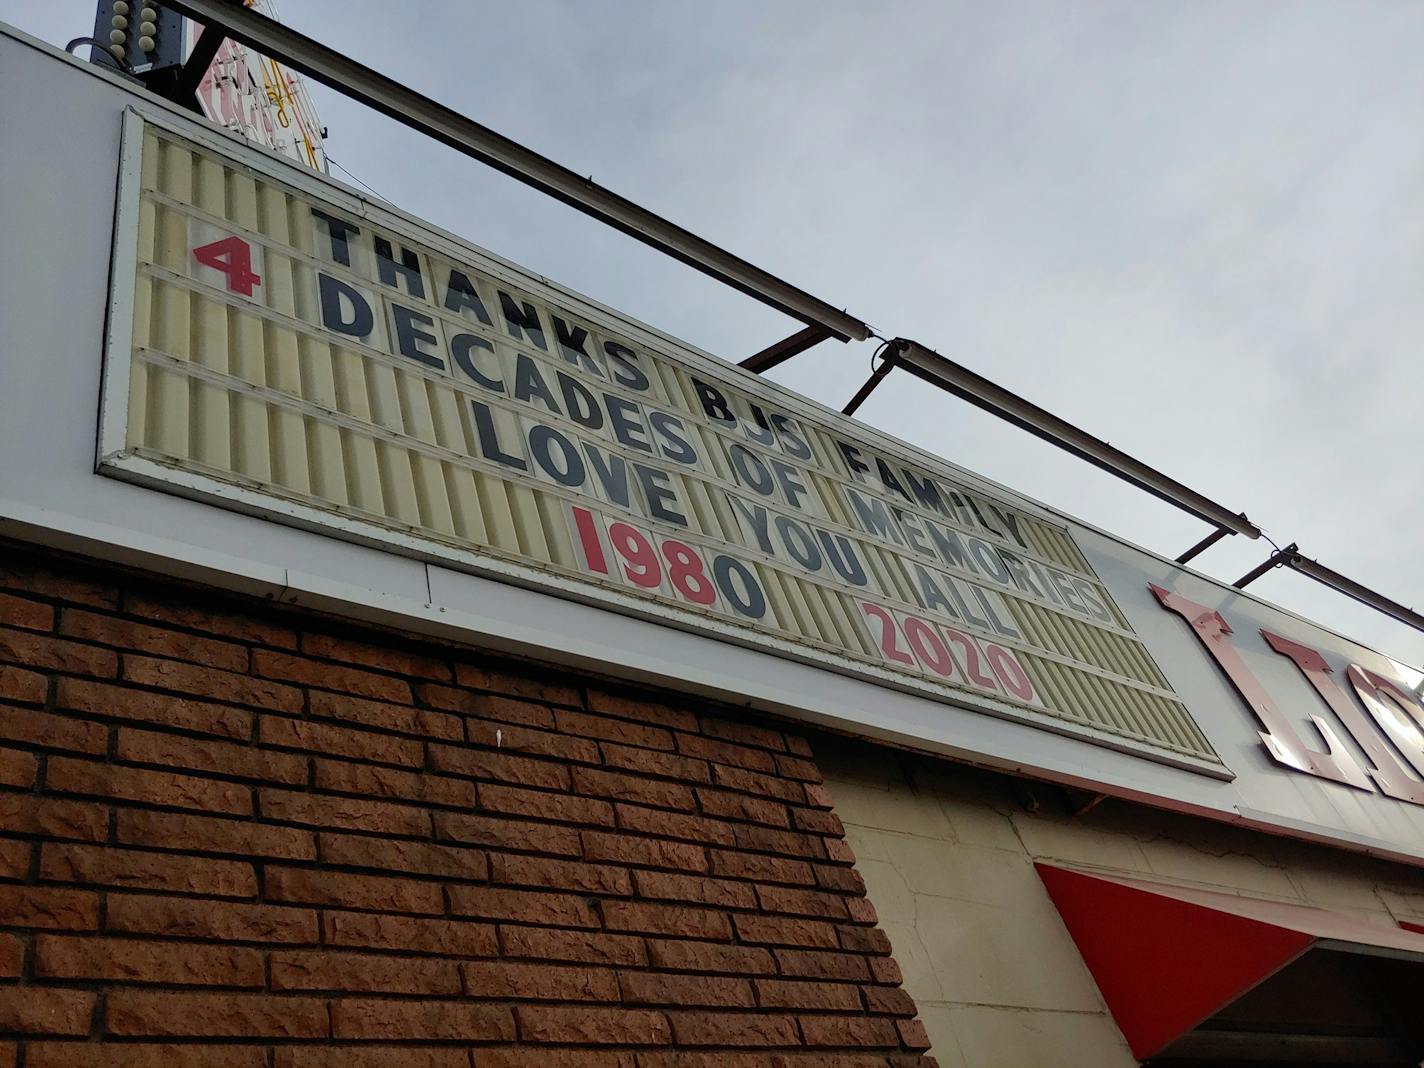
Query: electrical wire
(102, 49)
(358, 181)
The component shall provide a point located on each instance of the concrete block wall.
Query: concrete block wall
(947, 853)
(233, 837)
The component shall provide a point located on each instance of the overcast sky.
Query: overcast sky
(1195, 229)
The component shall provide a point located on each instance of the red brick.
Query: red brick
(640, 710)
(718, 752)
(223, 621)
(493, 903)
(493, 734)
(403, 719)
(612, 730)
(539, 804)
(809, 964)
(817, 821)
(799, 746)
(864, 940)
(170, 830)
(141, 1055)
(553, 1057)
(374, 780)
(499, 766)
(377, 657)
(913, 1034)
(652, 762)
(327, 740)
(343, 813)
(28, 575)
(49, 731)
(147, 961)
(786, 843)
(838, 851)
(888, 1001)
(14, 859)
(26, 687)
(742, 807)
(38, 1010)
(818, 796)
(17, 768)
(241, 689)
(12, 956)
(538, 982)
(48, 653)
(631, 788)
(185, 713)
(164, 1013)
(409, 934)
(67, 775)
(306, 887)
(837, 878)
(155, 871)
(581, 947)
(658, 988)
(493, 680)
(225, 921)
(796, 768)
(733, 1029)
(592, 1026)
(647, 918)
(848, 1031)
(559, 875)
(743, 733)
(710, 957)
(861, 910)
(727, 1059)
(395, 854)
(665, 824)
(49, 907)
(794, 994)
(694, 888)
(885, 970)
(753, 782)
(202, 754)
(507, 834)
(53, 817)
(762, 868)
(317, 970)
(779, 931)
(797, 902)
(22, 612)
(126, 634)
(454, 1021)
(304, 672)
(647, 852)
(524, 713)
(375, 1057)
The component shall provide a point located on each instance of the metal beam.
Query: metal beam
(783, 350)
(205, 50)
(1276, 559)
(1205, 544)
(877, 375)
(1350, 588)
(410, 108)
(977, 390)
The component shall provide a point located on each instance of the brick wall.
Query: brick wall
(234, 837)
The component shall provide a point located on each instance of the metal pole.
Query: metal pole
(406, 106)
(1280, 556)
(978, 390)
(1205, 544)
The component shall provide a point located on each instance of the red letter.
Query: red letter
(1280, 738)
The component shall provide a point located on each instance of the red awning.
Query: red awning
(1166, 958)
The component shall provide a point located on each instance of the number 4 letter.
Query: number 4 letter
(233, 257)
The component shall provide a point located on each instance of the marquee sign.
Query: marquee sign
(299, 352)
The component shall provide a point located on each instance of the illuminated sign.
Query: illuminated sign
(311, 356)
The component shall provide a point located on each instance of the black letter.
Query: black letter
(460, 346)
(409, 337)
(658, 494)
(713, 403)
(489, 438)
(540, 438)
(460, 293)
(333, 292)
(527, 318)
(338, 229)
(626, 358)
(408, 268)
